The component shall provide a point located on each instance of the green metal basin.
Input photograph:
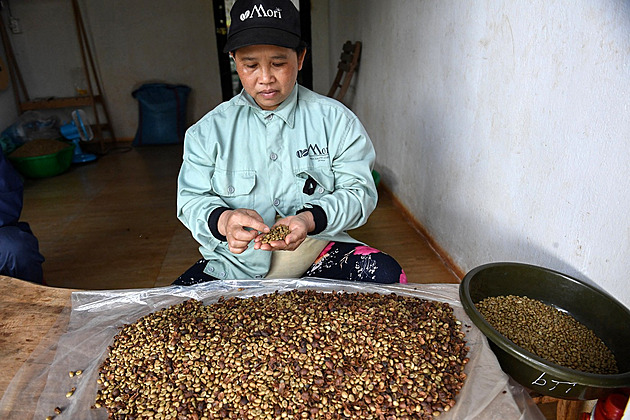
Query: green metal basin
(608, 318)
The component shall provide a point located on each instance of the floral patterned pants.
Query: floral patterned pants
(356, 262)
(337, 261)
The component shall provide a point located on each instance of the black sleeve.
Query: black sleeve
(213, 221)
(321, 220)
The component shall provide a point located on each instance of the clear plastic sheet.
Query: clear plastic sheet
(96, 317)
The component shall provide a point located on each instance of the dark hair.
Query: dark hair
(300, 48)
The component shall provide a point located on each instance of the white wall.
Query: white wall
(133, 42)
(504, 127)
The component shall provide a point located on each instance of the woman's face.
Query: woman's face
(268, 72)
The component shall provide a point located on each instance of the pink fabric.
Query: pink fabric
(403, 278)
(365, 250)
(324, 251)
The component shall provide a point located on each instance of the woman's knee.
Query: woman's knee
(389, 270)
(356, 262)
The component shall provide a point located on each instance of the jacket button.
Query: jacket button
(230, 189)
(273, 156)
(276, 202)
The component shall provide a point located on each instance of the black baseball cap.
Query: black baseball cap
(258, 22)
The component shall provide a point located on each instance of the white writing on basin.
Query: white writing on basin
(541, 381)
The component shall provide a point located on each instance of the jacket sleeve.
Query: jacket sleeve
(196, 199)
(354, 196)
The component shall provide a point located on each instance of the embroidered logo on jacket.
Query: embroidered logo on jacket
(260, 12)
(314, 152)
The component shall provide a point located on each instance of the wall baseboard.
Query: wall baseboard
(418, 227)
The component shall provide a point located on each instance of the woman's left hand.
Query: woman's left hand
(299, 226)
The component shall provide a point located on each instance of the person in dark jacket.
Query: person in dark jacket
(19, 248)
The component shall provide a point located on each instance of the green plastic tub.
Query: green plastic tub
(46, 165)
(605, 316)
(377, 177)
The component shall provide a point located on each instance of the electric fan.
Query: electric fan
(76, 131)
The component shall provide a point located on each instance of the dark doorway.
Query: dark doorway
(230, 84)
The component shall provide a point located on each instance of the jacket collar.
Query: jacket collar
(286, 110)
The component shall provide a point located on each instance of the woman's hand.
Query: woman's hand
(299, 225)
(240, 227)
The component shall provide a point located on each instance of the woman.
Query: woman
(278, 154)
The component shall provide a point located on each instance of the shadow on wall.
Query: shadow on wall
(466, 244)
(501, 244)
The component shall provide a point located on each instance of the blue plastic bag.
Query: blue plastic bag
(29, 126)
(162, 114)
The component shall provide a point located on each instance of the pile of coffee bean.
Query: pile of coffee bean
(300, 354)
(39, 147)
(548, 333)
(277, 233)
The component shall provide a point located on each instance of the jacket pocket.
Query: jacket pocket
(315, 182)
(235, 187)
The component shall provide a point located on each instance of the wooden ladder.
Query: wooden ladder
(93, 98)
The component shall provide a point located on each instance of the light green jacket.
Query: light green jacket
(240, 156)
